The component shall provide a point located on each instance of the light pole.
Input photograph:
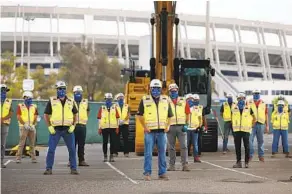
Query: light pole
(28, 19)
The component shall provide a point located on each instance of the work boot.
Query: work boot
(111, 158)
(83, 163)
(126, 155)
(197, 159)
(185, 168)
(34, 160)
(115, 154)
(273, 155)
(147, 177)
(171, 168)
(224, 152)
(163, 177)
(246, 165)
(287, 155)
(74, 171)
(237, 165)
(18, 161)
(105, 158)
(261, 159)
(68, 165)
(48, 172)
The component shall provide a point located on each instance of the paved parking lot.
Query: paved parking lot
(214, 175)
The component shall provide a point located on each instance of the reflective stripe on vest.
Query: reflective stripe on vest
(27, 115)
(108, 118)
(259, 112)
(280, 121)
(5, 110)
(155, 118)
(124, 113)
(241, 122)
(82, 116)
(196, 117)
(178, 110)
(61, 116)
(226, 112)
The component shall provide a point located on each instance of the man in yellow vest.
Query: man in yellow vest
(27, 117)
(108, 120)
(80, 128)
(154, 113)
(6, 114)
(124, 112)
(226, 115)
(197, 122)
(60, 116)
(260, 110)
(280, 121)
(242, 121)
(178, 128)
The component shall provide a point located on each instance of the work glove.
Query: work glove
(204, 129)
(117, 130)
(185, 128)
(52, 130)
(71, 129)
(26, 126)
(31, 127)
(121, 122)
(99, 131)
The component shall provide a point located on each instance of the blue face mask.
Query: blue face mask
(191, 103)
(256, 96)
(196, 103)
(77, 96)
(173, 94)
(156, 92)
(3, 95)
(121, 101)
(241, 104)
(28, 101)
(61, 93)
(108, 103)
(280, 109)
(229, 100)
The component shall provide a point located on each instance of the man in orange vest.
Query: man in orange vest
(27, 117)
(6, 114)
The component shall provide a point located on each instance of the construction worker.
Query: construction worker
(60, 116)
(6, 114)
(242, 119)
(178, 128)
(154, 112)
(27, 117)
(108, 119)
(197, 123)
(275, 104)
(124, 112)
(226, 115)
(280, 121)
(190, 102)
(260, 110)
(82, 118)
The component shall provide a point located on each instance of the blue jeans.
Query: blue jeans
(276, 136)
(195, 138)
(150, 139)
(69, 139)
(226, 132)
(258, 131)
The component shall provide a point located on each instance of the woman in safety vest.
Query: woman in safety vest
(27, 117)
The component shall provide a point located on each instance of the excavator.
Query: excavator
(192, 76)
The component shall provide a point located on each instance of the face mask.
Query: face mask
(3, 95)
(241, 104)
(229, 100)
(256, 96)
(196, 103)
(77, 97)
(191, 103)
(61, 93)
(108, 103)
(173, 94)
(280, 109)
(28, 101)
(121, 101)
(155, 92)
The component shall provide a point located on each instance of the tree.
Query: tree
(7, 64)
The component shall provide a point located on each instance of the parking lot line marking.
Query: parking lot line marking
(121, 173)
(245, 173)
(7, 162)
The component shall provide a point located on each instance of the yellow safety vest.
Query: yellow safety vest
(155, 118)
(179, 115)
(241, 122)
(61, 116)
(108, 118)
(196, 117)
(259, 112)
(82, 116)
(27, 115)
(5, 110)
(280, 121)
(124, 113)
(226, 112)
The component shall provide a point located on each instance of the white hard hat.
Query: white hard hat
(5, 87)
(281, 102)
(172, 86)
(155, 83)
(240, 95)
(27, 94)
(60, 84)
(256, 91)
(108, 95)
(119, 95)
(77, 88)
(229, 95)
(188, 96)
(281, 96)
(196, 97)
